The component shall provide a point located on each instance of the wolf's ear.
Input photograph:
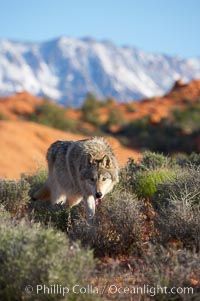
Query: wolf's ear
(106, 162)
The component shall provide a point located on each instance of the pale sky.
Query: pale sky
(161, 26)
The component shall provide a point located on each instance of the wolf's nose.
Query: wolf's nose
(98, 195)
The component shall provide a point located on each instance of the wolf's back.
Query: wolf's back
(57, 150)
(71, 156)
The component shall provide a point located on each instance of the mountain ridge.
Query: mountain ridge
(65, 69)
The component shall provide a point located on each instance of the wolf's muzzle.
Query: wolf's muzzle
(98, 198)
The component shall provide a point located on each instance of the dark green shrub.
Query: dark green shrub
(14, 195)
(178, 206)
(188, 119)
(115, 117)
(177, 132)
(107, 102)
(36, 180)
(186, 101)
(32, 255)
(191, 160)
(52, 115)
(151, 160)
(130, 107)
(137, 128)
(127, 175)
(42, 211)
(90, 111)
(57, 216)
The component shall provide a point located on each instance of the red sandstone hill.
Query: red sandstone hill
(16, 106)
(159, 107)
(23, 144)
(23, 147)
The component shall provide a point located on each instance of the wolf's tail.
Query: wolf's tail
(43, 193)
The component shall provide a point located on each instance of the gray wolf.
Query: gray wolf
(80, 170)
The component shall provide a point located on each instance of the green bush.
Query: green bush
(14, 195)
(146, 183)
(143, 177)
(32, 255)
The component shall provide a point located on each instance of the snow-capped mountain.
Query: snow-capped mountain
(66, 69)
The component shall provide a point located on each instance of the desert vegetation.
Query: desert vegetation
(178, 131)
(52, 115)
(146, 233)
(167, 124)
(145, 242)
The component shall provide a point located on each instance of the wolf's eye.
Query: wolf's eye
(92, 179)
(104, 179)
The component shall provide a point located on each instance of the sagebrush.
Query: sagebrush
(148, 225)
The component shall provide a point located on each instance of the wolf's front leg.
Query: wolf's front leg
(90, 208)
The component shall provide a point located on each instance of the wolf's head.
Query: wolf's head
(96, 182)
(98, 174)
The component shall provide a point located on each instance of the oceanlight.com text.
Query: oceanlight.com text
(111, 289)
